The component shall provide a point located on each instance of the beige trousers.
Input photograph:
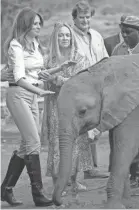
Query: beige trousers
(23, 107)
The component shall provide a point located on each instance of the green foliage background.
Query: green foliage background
(106, 18)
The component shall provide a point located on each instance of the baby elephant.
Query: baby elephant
(104, 96)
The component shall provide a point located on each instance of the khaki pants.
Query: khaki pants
(23, 107)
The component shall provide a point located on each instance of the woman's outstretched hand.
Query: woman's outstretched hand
(45, 93)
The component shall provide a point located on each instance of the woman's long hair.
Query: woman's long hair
(54, 54)
(21, 26)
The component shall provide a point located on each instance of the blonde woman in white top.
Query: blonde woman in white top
(25, 60)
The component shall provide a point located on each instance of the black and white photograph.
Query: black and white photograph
(69, 104)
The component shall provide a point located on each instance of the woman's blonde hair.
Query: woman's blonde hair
(54, 54)
(21, 26)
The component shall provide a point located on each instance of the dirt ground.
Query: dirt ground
(95, 196)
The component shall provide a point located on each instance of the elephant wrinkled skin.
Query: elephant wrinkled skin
(105, 96)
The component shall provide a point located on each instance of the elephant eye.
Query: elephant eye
(82, 112)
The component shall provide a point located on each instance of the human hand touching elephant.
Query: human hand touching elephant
(93, 135)
(44, 93)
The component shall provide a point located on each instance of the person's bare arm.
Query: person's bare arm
(45, 74)
(24, 84)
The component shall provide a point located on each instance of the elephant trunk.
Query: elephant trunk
(65, 145)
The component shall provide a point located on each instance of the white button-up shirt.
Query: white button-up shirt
(25, 64)
(95, 49)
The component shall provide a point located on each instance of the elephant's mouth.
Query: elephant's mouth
(86, 127)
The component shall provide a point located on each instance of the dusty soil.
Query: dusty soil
(95, 196)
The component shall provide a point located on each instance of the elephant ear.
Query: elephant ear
(120, 94)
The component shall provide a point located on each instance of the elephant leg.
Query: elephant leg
(127, 189)
(125, 137)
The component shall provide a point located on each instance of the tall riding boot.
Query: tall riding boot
(14, 171)
(34, 170)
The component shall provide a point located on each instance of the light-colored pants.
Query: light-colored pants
(23, 107)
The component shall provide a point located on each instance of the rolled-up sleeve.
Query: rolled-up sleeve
(16, 58)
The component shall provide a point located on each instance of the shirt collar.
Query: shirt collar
(136, 49)
(125, 45)
(120, 37)
(75, 28)
(34, 42)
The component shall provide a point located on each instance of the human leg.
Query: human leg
(86, 161)
(15, 168)
(53, 138)
(34, 170)
(76, 167)
(134, 172)
(21, 110)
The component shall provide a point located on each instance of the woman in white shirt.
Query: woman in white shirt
(25, 60)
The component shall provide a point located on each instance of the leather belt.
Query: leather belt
(14, 84)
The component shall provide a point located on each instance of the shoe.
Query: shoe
(34, 170)
(94, 174)
(15, 168)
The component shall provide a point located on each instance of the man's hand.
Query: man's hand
(93, 135)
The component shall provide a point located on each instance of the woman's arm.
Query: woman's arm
(45, 74)
(16, 60)
(24, 84)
